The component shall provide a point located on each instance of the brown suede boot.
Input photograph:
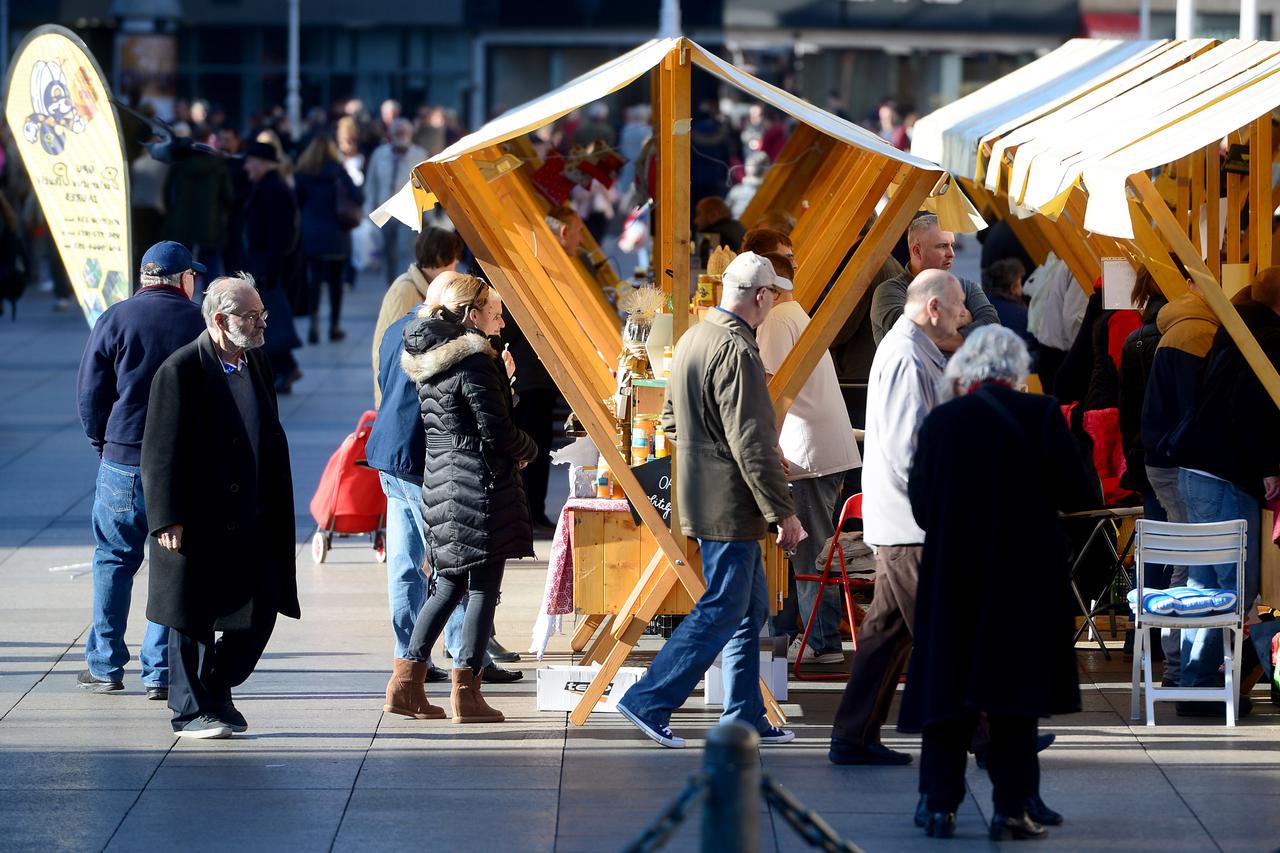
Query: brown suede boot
(468, 705)
(405, 695)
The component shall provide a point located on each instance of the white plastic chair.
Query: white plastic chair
(1163, 542)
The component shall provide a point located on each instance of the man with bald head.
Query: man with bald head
(902, 389)
(397, 450)
(215, 469)
(931, 248)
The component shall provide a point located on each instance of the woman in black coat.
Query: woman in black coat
(993, 469)
(330, 206)
(473, 502)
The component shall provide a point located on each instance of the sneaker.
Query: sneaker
(658, 734)
(230, 715)
(86, 680)
(772, 734)
(157, 692)
(205, 727)
(810, 656)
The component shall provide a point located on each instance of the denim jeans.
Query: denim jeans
(1164, 482)
(120, 536)
(406, 552)
(815, 500)
(1211, 499)
(728, 617)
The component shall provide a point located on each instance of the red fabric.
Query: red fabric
(1119, 326)
(1103, 426)
(349, 496)
(1274, 506)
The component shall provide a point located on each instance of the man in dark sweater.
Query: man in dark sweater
(126, 347)
(1229, 461)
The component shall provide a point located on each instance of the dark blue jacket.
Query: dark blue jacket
(397, 443)
(126, 347)
(318, 200)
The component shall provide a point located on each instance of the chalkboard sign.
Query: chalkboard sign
(655, 479)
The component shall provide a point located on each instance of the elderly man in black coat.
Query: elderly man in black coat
(993, 622)
(215, 468)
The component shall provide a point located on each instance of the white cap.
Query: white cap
(749, 271)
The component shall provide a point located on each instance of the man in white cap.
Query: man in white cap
(730, 485)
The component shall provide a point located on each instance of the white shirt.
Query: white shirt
(816, 436)
(903, 388)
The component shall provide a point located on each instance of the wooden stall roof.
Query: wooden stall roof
(1094, 113)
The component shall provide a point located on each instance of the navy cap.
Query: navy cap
(171, 257)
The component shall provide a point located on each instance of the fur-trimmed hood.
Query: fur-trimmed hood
(432, 346)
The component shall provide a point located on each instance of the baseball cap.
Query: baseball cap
(171, 257)
(749, 271)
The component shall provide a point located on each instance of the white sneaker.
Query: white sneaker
(810, 656)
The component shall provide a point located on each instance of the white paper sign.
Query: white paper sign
(1118, 279)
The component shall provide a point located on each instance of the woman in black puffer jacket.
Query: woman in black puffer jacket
(474, 506)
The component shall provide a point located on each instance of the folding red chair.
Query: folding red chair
(852, 509)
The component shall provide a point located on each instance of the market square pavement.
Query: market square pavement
(322, 768)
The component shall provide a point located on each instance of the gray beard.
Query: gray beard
(244, 341)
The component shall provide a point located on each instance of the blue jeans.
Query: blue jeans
(120, 536)
(406, 553)
(727, 617)
(1211, 499)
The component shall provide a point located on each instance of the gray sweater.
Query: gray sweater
(891, 296)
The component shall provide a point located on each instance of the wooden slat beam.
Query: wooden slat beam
(1155, 254)
(1237, 196)
(1210, 288)
(849, 287)
(1261, 205)
(844, 159)
(673, 131)
(1213, 212)
(799, 155)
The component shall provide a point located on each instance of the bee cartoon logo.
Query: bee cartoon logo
(55, 112)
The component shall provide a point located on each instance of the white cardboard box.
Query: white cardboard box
(772, 669)
(560, 688)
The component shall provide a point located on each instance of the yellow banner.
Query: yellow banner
(66, 130)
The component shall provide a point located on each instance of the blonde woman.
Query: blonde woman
(473, 502)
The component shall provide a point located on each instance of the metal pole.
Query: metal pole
(1144, 20)
(1184, 20)
(731, 812)
(669, 19)
(1249, 19)
(293, 98)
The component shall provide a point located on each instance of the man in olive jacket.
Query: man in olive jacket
(215, 469)
(730, 485)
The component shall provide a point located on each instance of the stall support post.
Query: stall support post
(1167, 225)
(1260, 202)
(731, 811)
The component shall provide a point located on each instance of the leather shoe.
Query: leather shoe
(843, 752)
(1004, 827)
(941, 825)
(1041, 813)
(494, 674)
(499, 654)
(435, 674)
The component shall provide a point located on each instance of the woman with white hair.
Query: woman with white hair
(993, 469)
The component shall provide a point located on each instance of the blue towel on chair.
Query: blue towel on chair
(1184, 601)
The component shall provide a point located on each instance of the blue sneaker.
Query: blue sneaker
(769, 733)
(659, 734)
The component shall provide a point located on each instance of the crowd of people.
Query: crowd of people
(963, 473)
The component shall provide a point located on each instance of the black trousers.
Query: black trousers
(325, 271)
(533, 415)
(203, 670)
(884, 645)
(481, 587)
(1012, 764)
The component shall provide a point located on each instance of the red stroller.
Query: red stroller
(349, 500)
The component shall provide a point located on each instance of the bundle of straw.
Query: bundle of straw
(720, 259)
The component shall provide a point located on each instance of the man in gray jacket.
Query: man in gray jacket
(903, 389)
(730, 484)
(931, 249)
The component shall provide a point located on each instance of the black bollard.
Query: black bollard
(731, 812)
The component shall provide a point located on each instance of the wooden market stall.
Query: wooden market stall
(486, 183)
(1116, 149)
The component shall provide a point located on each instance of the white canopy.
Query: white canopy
(1117, 109)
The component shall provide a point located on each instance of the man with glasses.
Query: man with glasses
(215, 465)
(730, 486)
(125, 349)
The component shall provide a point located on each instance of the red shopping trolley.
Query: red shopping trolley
(349, 500)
